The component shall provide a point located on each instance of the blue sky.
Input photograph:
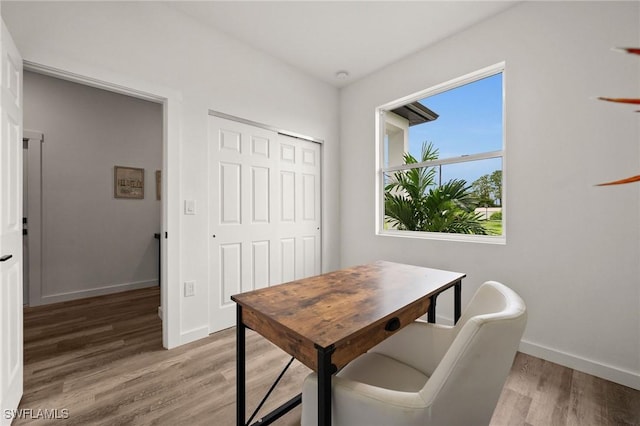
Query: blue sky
(469, 122)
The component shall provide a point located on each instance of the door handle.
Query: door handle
(6, 257)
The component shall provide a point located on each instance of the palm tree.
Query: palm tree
(414, 202)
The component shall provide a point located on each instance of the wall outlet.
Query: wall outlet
(189, 288)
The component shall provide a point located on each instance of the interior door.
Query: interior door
(11, 364)
(264, 212)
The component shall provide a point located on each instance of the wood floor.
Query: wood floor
(102, 360)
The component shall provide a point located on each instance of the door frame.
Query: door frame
(33, 261)
(265, 126)
(171, 102)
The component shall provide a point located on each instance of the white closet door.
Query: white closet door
(264, 212)
(299, 220)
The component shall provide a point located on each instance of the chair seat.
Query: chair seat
(381, 371)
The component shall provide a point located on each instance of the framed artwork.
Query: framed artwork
(158, 184)
(128, 182)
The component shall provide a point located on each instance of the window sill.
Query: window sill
(443, 236)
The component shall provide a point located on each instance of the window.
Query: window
(441, 155)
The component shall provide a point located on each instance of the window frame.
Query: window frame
(381, 170)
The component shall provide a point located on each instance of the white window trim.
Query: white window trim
(451, 160)
(381, 170)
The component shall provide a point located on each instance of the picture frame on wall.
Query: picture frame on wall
(128, 182)
(158, 184)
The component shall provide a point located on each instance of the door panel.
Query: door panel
(230, 193)
(308, 197)
(301, 205)
(261, 264)
(230, 271)
(288, 253)
(260, 194)
(11, 298)
(288, 196)
(241, 214)
(309, 266)
(264, 212)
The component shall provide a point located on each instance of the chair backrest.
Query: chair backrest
(465, 386)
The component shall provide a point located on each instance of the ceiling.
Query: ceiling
(322, 38)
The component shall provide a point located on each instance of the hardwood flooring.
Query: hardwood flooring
(102, 360)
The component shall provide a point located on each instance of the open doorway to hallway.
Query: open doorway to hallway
(96, 229)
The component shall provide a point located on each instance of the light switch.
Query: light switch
(189, 288)
(189, 206)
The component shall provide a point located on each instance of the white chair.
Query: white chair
(428, 374)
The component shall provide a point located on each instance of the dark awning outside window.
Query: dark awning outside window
(416, 113)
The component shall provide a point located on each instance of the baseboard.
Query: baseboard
(193, 335)
(598, 369)
(100, 291)
(441, 319)
(604, 371)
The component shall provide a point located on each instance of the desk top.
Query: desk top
(344, 308)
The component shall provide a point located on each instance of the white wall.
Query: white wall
(572, 249)
(93, 243)
(149, 44)
(578, 271)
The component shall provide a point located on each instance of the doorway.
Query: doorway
(98, 203)
(171, 107)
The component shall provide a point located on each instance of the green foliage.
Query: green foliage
(482, 190)
(414, 202)
(496, 184)
(488, 189)
(496, 216)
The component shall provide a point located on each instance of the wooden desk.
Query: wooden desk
(328, 320)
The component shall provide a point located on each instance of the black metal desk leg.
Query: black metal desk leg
(431, 313)
(457, 301)
(240, 368)
(325, 370)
